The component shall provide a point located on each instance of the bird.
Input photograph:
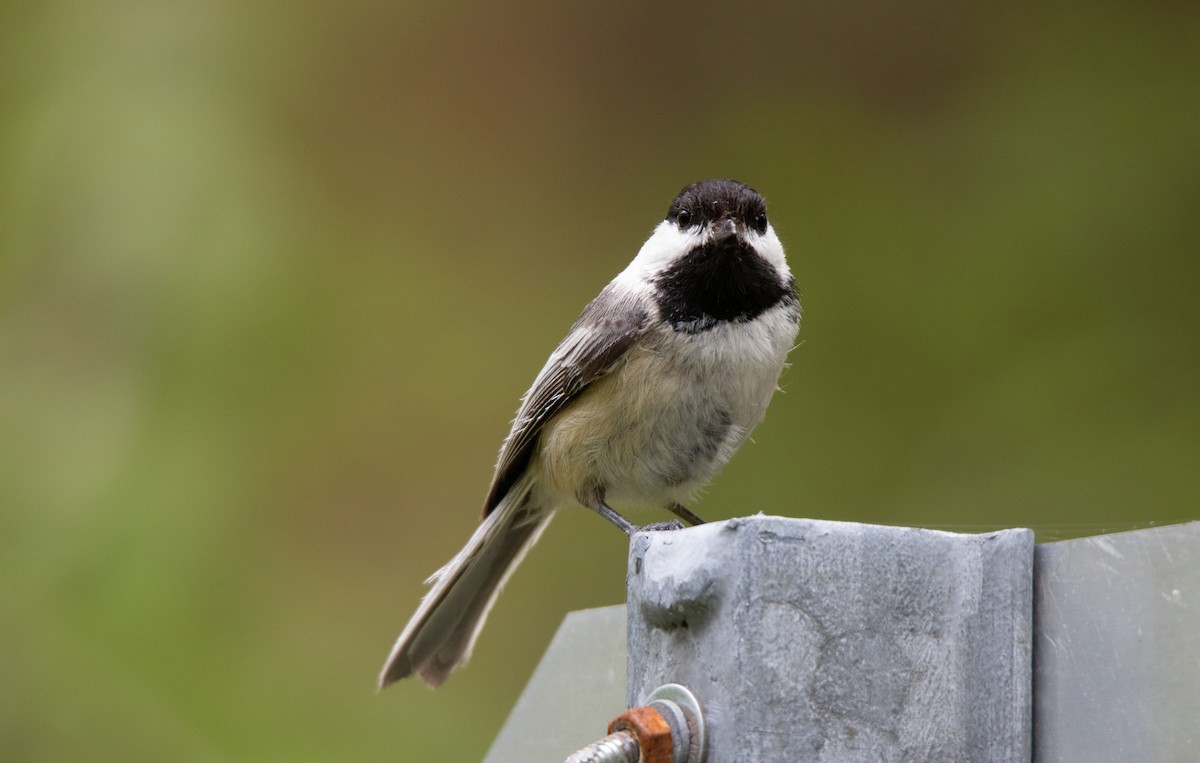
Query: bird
(655, 386)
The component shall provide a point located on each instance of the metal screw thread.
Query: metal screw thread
(620, 747)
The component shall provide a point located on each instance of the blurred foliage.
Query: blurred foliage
(273, 276)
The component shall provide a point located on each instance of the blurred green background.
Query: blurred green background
(273, 276)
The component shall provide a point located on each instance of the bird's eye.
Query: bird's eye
(683, 218)
(760, 223)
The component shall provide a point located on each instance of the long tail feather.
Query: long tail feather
(439, 637)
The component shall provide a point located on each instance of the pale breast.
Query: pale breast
(669, 415)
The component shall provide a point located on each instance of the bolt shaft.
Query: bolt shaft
(620, 747)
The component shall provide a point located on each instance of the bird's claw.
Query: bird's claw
(673, 524)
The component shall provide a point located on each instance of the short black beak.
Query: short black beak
(724, 231)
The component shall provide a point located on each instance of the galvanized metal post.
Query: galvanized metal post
(577, 688)
(829, 641)
(1118, 647)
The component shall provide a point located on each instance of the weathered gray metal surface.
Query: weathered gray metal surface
(578, 687)
(1117, 673)
(833, 641)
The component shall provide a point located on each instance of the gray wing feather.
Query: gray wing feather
(606, 329)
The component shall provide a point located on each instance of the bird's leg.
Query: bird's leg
(683, 513)
(598, 505)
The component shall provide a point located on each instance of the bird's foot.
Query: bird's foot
(673, 524)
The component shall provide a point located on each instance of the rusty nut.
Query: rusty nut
(651, 731)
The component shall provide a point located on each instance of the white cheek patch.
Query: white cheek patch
(666, 244)
(771, 249)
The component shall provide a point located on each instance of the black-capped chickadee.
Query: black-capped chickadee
(655, 386)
